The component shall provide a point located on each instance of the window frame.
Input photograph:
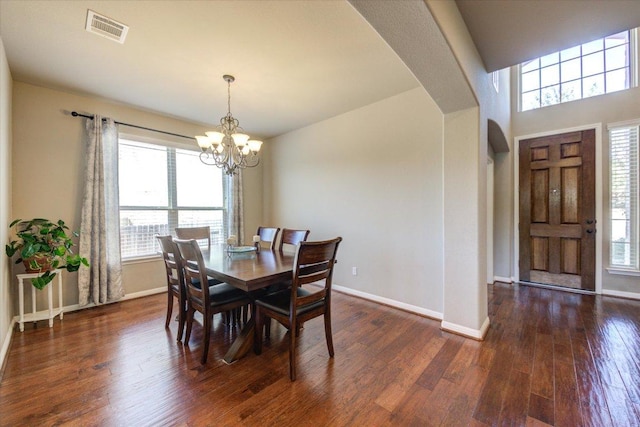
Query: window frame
(633, 72)
(172, 208)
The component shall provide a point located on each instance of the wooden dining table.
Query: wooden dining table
(251, 272)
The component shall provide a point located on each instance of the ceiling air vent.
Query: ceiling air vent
(105, 27)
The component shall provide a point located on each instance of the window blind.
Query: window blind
(161, 188)
(623, 143)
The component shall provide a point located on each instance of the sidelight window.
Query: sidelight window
(623, 181)
(600, 66)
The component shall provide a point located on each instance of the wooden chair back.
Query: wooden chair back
(175, 280)
(268, 235)
(292, 237)
(313, 263)
(198, 233)
(194, 273)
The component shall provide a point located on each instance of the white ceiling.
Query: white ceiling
(295, 62)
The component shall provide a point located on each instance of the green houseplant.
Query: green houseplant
(44, 246)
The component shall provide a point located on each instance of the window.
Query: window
(623, 181)
(595, 68)
(161, 188)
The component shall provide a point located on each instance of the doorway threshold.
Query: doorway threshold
(557, 288)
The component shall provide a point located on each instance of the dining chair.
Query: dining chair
(175, 281)
(292, 237)
(207, 300)
(198, 233)
(313, 262)
(268, 235)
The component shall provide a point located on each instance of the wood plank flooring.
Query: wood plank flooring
(550, 358)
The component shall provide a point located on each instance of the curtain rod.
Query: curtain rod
(75, 114)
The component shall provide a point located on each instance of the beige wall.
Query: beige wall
(604, 109)
(48, 162)
(374, 177)
(6, 288)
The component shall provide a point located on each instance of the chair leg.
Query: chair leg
(292, 353)
(245, 314)
(169, 308)
(206, 324)
(190, 313)
(327, 331)
(181, 320)
(257, 332)
(267, 327)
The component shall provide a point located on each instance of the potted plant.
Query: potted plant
(44, 246)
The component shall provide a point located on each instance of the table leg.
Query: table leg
(60, 295)
(50, 303)
(33, 302)
(21, 299)
(242, 344)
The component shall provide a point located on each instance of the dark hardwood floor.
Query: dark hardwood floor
(550, 358)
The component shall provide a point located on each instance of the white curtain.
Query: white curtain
(236, 206)
(100, 224)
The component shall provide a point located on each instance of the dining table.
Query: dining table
(250, 270)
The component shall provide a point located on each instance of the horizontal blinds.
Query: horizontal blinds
(161, 188)
(623, 142)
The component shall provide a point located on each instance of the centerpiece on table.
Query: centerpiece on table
(44, 246)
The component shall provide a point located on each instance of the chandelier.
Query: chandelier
(228, 147)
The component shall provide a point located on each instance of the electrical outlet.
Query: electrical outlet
(354, 271)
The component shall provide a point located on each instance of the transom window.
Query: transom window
(161, 188)
(595, 68)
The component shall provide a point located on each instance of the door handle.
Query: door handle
(591, 231)
(591, 221)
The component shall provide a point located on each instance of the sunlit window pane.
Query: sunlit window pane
(571, 70)
(530, 100)
(138, 230)
(531, 65)
(144, 165)
(572, 52)
(593, 64)
(617, 80)
(592, 86)
(192, 177)
(591, 47)
(212, 219)
(530, 81)
(571, 90)
(616, 57)
(616, 39)
(550, 95)
(550, 75)
(550, 59)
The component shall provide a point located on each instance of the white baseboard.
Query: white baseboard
(5, 343)
(502, 279)
(76, 307)
(477, 334)
(391, 303)
(621, 294)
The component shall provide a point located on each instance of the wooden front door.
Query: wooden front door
(557, 210)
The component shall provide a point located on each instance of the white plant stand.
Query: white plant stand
(40, 315)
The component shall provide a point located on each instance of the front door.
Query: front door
(557, 210)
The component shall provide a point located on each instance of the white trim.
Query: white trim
(621, 294)
(502, 279)
(141, 259)
(599, 202)
(77, 307)
(392, 303)
(7, 341)
(625, 123)
(623, 271)
(477, 334)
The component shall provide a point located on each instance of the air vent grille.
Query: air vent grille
(106, 27)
